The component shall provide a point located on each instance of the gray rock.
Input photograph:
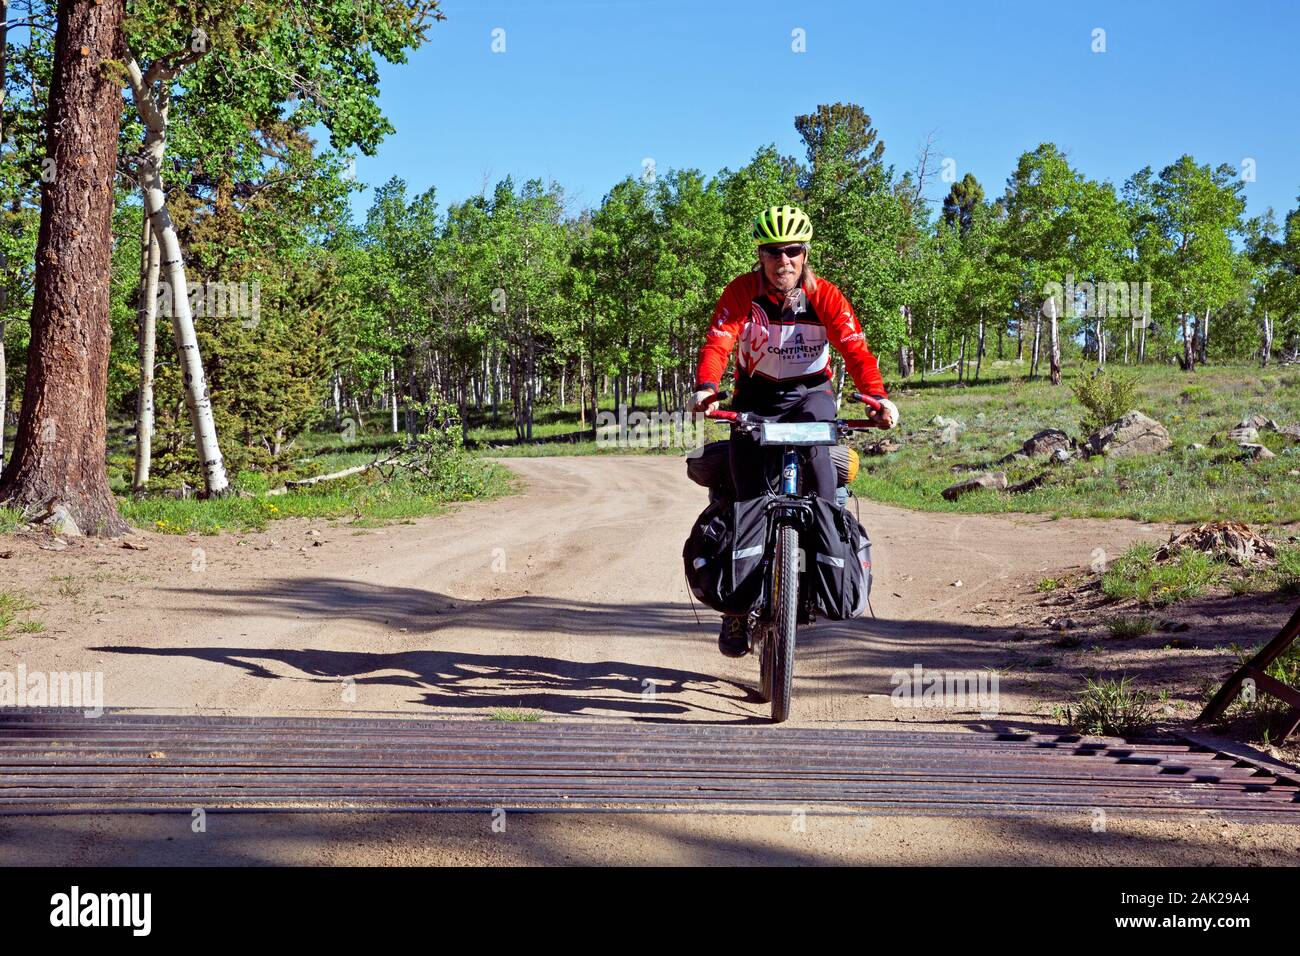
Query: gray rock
(1257, 422)
(1048, 441)
(1290, 431)
(997, 481)
(1254, 452)
(1060, 456)
(949, 428)
(62, 523)
(1131, 434)
(1243, 433)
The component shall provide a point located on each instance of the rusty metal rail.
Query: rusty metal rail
(63, 762)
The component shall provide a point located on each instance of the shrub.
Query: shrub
(1105, 396)
(1110, 708)
(1129, 627)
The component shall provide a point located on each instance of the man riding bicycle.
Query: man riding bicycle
(785, 320)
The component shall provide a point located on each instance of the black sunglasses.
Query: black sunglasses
(775, 252)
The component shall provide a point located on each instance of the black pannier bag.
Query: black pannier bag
(837, 562)
(724, 554)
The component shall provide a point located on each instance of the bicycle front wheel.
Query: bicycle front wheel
(780, 637)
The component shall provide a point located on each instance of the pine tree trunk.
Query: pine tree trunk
(147, 313)
(4, 278)
(4, 392)
(60, 452)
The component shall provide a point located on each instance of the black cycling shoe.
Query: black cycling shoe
(733, 639)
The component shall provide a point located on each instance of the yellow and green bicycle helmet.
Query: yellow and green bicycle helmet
(782, 224)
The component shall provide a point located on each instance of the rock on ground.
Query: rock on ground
(1255, 452)
(1047, 442)
(1131, 434)
(996, 481)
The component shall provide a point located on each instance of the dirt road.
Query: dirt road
(569, 600)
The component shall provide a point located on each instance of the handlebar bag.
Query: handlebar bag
(837, 561)
(711, 466)
(724, 554)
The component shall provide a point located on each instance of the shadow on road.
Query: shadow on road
(835, 659)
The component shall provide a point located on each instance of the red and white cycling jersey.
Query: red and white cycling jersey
(786, 341)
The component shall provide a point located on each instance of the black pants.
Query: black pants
(756, 468)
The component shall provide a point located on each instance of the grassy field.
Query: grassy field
(1180, 484)
(371, 498)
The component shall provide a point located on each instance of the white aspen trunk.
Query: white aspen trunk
(1055, 341)
(1205, 338)
(582, 391)
(392, 393)
(1263, 355)
(147, 342)
(197, 398)
(1038, 336)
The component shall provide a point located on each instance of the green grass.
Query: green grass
(1110, 708)
(70, 585)
(11, 519)
(365, 500)
(1130, 627)
(11, 606)
(1266, 712)
(515, 716)
(1138, 576)
(1047, 584)
(1181, 484)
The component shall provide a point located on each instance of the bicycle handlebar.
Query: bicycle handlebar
(737, 418)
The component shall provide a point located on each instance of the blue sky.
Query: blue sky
(587, 90)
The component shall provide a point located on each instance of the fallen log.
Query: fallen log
(303, 482)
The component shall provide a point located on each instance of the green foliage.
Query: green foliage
(1112, 708)
(1127, 628)
(1105, 396)
(11, 606)
(1137, 575)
